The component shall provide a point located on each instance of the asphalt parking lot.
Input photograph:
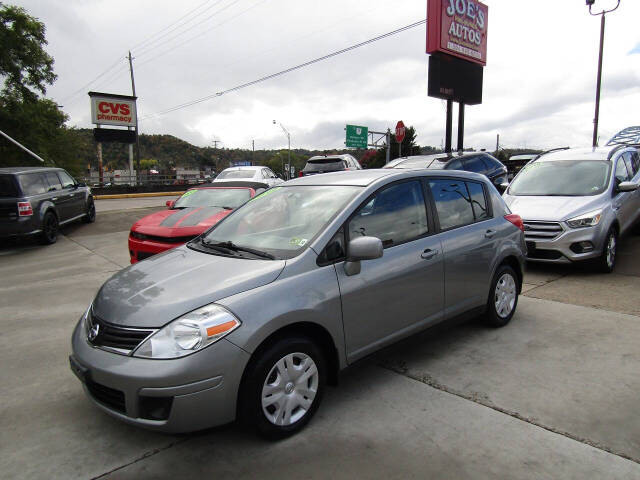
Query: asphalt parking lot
(555, 394)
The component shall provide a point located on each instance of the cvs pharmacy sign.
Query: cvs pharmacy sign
(110, 109)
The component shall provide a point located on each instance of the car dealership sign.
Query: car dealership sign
(459, 28)
(111, 109)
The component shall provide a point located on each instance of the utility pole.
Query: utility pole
(133, 90)
(215, 144)
(497, 142)
(253, 151)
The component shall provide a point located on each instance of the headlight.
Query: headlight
(587, 220)
(189, 333)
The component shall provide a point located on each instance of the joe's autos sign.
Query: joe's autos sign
(110, 109)
(458, 27)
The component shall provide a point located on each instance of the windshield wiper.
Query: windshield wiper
(228, 245)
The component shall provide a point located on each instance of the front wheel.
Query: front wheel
(503, 297)
(90, 213)
(283, 387)
(607, 260)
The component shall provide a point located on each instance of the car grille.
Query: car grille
(536, 230)
(112, 337)
(156, 238)
(107, 396)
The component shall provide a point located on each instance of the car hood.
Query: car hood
(175, 222)
(166, 286)
(555, 209)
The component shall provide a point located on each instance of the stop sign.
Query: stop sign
(399, 131)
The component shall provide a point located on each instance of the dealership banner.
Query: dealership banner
(111, 109)
(459, 28)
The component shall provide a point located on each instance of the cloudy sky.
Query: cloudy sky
(539, 82)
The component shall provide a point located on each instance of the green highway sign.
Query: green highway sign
(357, 137)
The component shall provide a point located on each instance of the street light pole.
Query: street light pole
(599, 80)
(286, 132)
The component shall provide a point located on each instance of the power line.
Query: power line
(201, 33)
(148, 39)
(288, 70)
(84, 87)
(179, 34)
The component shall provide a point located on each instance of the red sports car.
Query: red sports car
(198, 209)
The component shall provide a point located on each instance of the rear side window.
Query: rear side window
(53, 181)
(8, 187)
(396, 214)
(33, 184)
(474, 164)
(453, 203)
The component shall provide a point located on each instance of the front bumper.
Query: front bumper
(563, 247)
(142, 249)
(194, 392)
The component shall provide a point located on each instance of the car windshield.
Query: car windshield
(236, 174)
(282, 220)
(213, 197)
(571, 178)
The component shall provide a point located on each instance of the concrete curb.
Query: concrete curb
(136, 195)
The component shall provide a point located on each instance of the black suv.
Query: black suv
(478, 162)
(37, 200)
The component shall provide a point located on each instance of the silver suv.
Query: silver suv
(575, 203)
(255, 316)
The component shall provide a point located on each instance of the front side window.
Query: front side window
(622, 174)
(635, 162)
(395, 215)
(67, 181)
(453, 203)
(562, 178)
(213, 197)
(33, 184)
(54, 181)
(282, 221)
(631, 167)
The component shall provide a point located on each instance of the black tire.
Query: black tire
(606, 262)
(503, 286)
(264, 368)
(50, 227)
(90, 215)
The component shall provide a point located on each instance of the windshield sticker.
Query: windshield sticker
(301, 242)
(266, 192)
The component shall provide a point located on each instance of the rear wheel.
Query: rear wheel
(49, 233)
(283, 387)
(607, 260)
(503, 297)
(90, 214)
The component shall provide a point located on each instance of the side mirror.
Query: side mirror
(81, 184)
(170, 203)
(627, 187)
(362, 248)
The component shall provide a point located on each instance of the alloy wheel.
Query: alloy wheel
(611, 250)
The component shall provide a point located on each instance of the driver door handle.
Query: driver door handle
(428, 254)
(489, 233)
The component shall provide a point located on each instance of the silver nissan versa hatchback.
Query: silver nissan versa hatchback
(253, 318)
(575, 203)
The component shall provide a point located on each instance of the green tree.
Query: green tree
(23, 62)
(36, 122)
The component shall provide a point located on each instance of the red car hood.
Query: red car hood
(180, 222)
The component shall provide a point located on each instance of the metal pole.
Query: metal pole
(447, 142)
(388, 146)
(599, 83)
(497, 142)
(21, 146)
(460, 126)
(133, 90)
